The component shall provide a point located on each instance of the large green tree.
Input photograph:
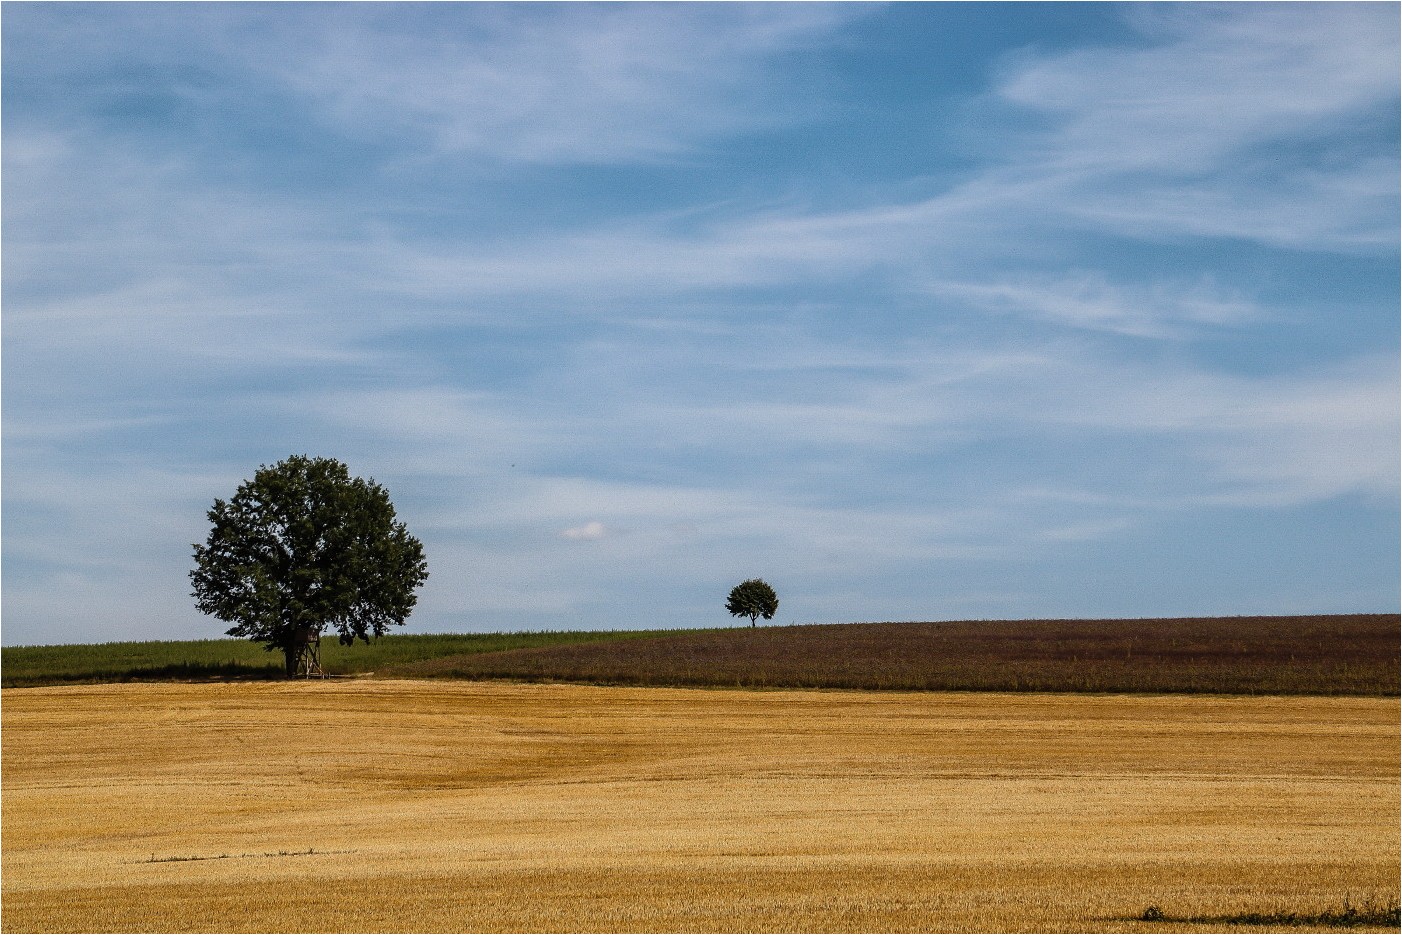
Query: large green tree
(753, 599)
(304, 548)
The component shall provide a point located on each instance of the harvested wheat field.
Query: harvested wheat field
(362, 805)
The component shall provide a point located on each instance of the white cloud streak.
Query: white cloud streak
(1088, 301)
(1220, 80)
(595, 84)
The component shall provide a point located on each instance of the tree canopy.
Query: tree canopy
(302, 548)
(753, 599)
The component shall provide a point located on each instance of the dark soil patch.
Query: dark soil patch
(1344, 654)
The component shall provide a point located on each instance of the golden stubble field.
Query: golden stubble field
(365, 805)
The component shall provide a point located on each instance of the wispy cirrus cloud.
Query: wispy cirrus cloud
(1234, 121)
(981, 221)
(1212, 83)
(593, 84)
(582, 83)
(1089, 301)
(1342, 209)
(616, 301)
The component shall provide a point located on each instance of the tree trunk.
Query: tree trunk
(289, 656)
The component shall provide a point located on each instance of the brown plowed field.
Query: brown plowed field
(1341, 654)
(368, 805)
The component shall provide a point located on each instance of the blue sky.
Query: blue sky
(919, 311)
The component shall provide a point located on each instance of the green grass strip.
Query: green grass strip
(27, 666)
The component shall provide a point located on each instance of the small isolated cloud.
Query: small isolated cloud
(588, 532)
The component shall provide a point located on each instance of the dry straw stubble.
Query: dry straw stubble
(442, 806)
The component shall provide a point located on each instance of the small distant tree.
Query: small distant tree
(753, 599)
(301, 548)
